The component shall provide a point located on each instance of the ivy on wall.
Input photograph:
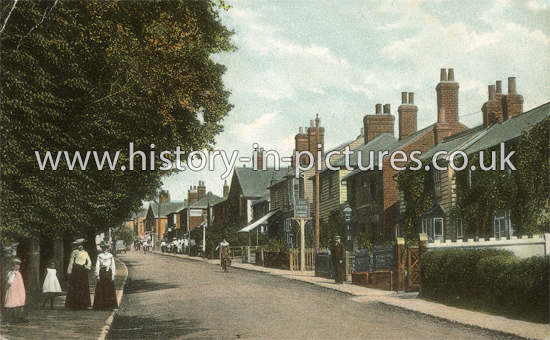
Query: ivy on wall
(415, 186)
(523, 192)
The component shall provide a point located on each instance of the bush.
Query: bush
(490, 279)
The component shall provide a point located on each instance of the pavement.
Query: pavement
(61, 323)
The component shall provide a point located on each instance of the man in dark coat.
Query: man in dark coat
(338, 254)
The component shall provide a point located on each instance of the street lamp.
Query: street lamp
(347, 223)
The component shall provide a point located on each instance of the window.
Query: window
(288, 225)
(459, 229)
(503, 226)
(425, 225)
(438, 229)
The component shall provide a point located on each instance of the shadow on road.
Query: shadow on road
(126, 327)
(140, 286)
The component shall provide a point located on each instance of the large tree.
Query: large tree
(81, 76)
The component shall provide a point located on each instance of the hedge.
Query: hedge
(493, 280)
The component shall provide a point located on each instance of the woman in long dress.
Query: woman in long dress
(105, 294)
(78, 295)
(15, 295)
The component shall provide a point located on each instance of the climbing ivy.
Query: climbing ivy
(523, 192)
(415, 186)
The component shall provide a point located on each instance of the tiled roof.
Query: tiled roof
(381, 143)
(166, 208)
(255, 183)
(510, 129)
(455, 142)
(209, 198)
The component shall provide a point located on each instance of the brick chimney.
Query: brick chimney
(500, 107)
(512, 102)
(225, 189)
(201, 190)
(407, 115)
(192, 195)
(375, 124)
(316, 135)
(447, 96)
(164, 197)
(442, 127)
(492, 108)
(259, 157)
(301, 144)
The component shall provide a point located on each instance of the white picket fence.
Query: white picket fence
(522, 247)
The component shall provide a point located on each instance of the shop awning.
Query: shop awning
(260, 221)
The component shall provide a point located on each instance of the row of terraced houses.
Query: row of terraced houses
(264, 200)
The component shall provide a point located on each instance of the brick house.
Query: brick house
(247, 186)
(385, 216)
(503, 122)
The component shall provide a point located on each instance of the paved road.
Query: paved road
(171, 298)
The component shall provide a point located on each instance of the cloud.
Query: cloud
(258, 123)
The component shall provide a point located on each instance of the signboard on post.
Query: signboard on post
(301, 208)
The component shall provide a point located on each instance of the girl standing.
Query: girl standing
(105, 294)
(15, 295)
(51, 286)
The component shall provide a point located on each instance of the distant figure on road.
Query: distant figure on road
(105, 294)
(224, 252)
(338, 254)
(78, 295)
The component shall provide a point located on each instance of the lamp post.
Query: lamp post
(347, 231)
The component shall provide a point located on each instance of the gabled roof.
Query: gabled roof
(255, 183)
(409, 139)
(208, 199)
(339, 159)
(510, 129)
(455, 142)
(381, 143)
(166, 208)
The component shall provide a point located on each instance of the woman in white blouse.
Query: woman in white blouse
(105, 294)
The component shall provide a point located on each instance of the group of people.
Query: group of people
(175, 246)
(78, 294)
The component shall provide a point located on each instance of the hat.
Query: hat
(336, 237)
(102, 244)
(224, 243)
(79, 241)
(16, 261)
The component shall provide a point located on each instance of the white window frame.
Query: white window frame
(459, 229)
(437, 236)
(502, 226)
(425, 226)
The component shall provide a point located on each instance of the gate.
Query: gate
(413, 270)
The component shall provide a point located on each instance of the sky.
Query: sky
(338, 59)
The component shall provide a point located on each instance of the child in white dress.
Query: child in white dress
(51, 287)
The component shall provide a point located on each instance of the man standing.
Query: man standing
(338, 254)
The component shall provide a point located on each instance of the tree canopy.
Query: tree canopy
(84, 76)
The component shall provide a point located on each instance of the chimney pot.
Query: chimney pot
(387, 109)
(512, 85)
(492, 95)
(411, 97)
(499, 87)
(451, 75)
(378, 108)
(443, 74)
(311, 123)
(403, 97)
